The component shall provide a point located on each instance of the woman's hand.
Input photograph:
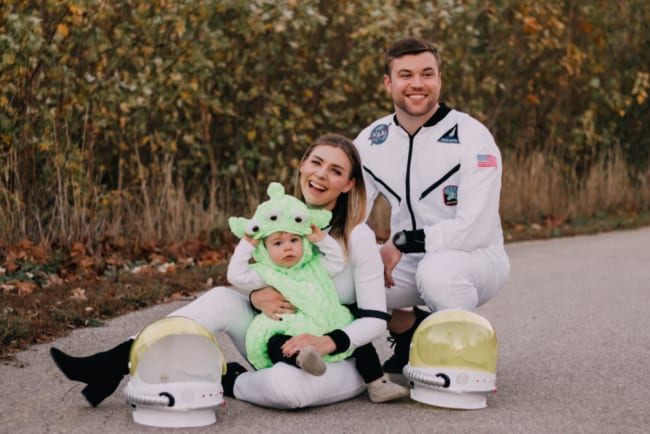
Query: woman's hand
(271, 303)
(323, 344)
(390, 256)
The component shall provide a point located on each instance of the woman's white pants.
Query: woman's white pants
(281, 386)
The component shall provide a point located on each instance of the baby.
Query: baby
(298, 259)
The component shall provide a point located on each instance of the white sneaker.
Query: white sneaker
(383, 390)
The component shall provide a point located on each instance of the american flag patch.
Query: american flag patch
(486, 160)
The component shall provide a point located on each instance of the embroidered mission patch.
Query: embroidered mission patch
(379, 134)
(450, 195)
(450, 136)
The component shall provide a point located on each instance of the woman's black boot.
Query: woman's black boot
(102, 372)
(233, 370)
(402, 343)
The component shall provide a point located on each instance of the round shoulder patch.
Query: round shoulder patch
(379, 134)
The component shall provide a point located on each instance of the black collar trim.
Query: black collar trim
(439, 115)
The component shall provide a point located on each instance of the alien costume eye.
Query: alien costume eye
(253, 227)
(299, 217)
(273, 215)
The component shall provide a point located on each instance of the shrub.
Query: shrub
(158, 119)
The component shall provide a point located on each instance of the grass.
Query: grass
(46, 290)
(52, 312)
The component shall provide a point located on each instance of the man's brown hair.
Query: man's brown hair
(409, 45)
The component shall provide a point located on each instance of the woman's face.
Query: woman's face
(324, 175)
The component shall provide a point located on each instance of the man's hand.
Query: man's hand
(390, 256)
(271, 303)
(323, 344)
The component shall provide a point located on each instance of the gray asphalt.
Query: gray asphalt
(574, 357)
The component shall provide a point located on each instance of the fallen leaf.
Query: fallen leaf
(24, 288)
(78, 294)
(167, 268)
(53, 279)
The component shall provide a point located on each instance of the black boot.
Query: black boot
(102, 372)
(402, 342)
(233, 370)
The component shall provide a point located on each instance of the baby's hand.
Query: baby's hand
(316, 234)
(251, 240)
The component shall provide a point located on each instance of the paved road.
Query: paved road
(574, 357)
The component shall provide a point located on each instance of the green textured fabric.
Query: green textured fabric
(310, 289)
(306, 285)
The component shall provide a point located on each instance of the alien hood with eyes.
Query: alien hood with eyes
(281, 213)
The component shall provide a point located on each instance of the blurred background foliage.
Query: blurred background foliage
(156, 120)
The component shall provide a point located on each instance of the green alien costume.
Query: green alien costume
(306, 285)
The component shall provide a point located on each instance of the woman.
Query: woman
(329, 177)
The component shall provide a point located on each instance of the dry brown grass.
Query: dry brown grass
(537, 190)
(537, 201)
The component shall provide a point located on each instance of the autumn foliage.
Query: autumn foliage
(130, 130)
(153, 121)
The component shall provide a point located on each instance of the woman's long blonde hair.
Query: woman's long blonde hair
(350, 208)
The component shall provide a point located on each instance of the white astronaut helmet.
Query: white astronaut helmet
(175, 374)
(453, 360)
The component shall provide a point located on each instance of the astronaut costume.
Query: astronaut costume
(446, 181)
(307, 285)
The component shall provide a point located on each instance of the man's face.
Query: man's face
(414, 84)
(284, 249)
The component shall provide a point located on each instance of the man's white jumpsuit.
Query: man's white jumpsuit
(446, 180)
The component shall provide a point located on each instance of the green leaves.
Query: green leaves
(212, 96)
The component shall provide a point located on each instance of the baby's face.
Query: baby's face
(284, 249)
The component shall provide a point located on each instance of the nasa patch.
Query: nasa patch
(379, 134)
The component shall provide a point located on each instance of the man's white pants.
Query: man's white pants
(448, 279)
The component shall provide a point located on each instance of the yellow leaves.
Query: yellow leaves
(251, 135)
(75, 10)
(641, 87)
(180, 27)
(62, 31)
(531, 25)
(44, 147)
(194, 84)
(8, 58)
(641, 97)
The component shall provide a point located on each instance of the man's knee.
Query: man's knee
(446, 286)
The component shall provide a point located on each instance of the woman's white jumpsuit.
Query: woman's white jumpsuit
(283, 386)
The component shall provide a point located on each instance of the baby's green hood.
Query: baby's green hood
(281, 213)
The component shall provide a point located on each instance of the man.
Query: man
(440, 171)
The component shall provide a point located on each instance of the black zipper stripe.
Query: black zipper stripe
(408, 180)
(399, 199)
(436, 184)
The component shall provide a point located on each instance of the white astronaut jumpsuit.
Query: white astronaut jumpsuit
(446, 180)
